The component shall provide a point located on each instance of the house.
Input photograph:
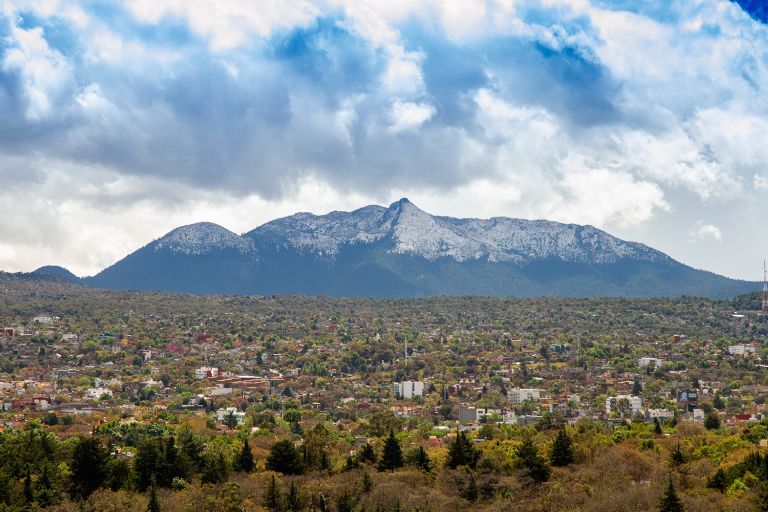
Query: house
(653, 362)
(206, 372)
(223, 413)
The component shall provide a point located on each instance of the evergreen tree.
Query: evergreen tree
(562, 449)
(461, 452)
(657, 427)
(272, 498)
(677, 457)
(718, 402)
(533, 463)
(718, 481)
(637, 388)
(345, 502)
(285, 458)
(293, 498)
(245, 460)
(148, 463)
(670, 502)
(367, 482)
(367, 454)
(154, 504)
(171, 465)
(712, 421)
(762, 497)
(29, 495)
(88, 468)
(421, 459)
(470, 492)
(47, 493)
(392, 454)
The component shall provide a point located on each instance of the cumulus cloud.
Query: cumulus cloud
(703, 231)
(610, 113)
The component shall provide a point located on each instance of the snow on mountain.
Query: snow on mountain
(202, 238)
(418, 233)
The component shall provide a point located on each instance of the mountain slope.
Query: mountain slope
(404, 251)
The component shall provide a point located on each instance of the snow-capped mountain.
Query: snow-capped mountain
(202, 238)
(402, 250)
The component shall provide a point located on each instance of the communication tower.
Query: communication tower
(765, 289)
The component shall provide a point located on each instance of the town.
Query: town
(79, 362)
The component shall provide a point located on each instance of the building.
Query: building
(624, 405)
(653, 362)
(469, 415)
(519, 395)
(222, 415)
(206, 372)
(742, 349)
(408, 389)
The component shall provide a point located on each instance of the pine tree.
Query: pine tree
(657, 427)
(470, 492)
(154, 504)
(293, 499)
(462, 453)
(532, 462)
(562, 449)
(285, 458)
(421, 459)
(89, 467)
(718, 481)
(367, 454)
(29, 495)
(677, 457)
(367, 482)
(272, 498)
(245, 460)
(670, 502)
(392, 455)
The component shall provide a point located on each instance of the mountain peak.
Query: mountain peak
(201, 237)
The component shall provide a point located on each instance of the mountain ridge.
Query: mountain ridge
(402, 250)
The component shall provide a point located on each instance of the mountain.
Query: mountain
(60, 272)
(404, 251)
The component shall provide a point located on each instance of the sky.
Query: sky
(120, 121)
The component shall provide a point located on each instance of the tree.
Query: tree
(532, 462)
(154, 505)
(245, 460)
(316, 447)
(89, 467)
(677, 457)
(657, 427)
(293, 498)
(392, 454)
(367, 454)
(670, 502)
(461, 452)
(217, 463)
(718, 402)
(230, 420)
(718, 481)
(272, 498)
(562, 449)
(712, 421)
(637, 388)
(148, 463)
(421, 459)
(285, 458)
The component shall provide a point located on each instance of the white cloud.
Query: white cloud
(702, 231)
(409, 116)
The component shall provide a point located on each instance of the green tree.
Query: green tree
(677, 457)
(154, 504)
(670, 502)
(367, 454)
(285, 458)
(718, 481)
(462, 452)
(532, 462)
(217, 463)
(392, 454)
(657, 427)
(272, 497)
(421, 460)
(315, 447)
(561, 453)
(148, 462)
(245, 460)
(88, 468)
(712, 421)
(293, 499)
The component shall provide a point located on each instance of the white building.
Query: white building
(519, 395)
(612, 402)
(408, 389)
(741, 349)
(650, 361)
(468, 414)
(206, 372)
(222, 414)
(659, 414)
(698, 415)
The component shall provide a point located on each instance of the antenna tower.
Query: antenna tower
(765, 289)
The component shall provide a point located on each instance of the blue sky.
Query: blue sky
(122, 120)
